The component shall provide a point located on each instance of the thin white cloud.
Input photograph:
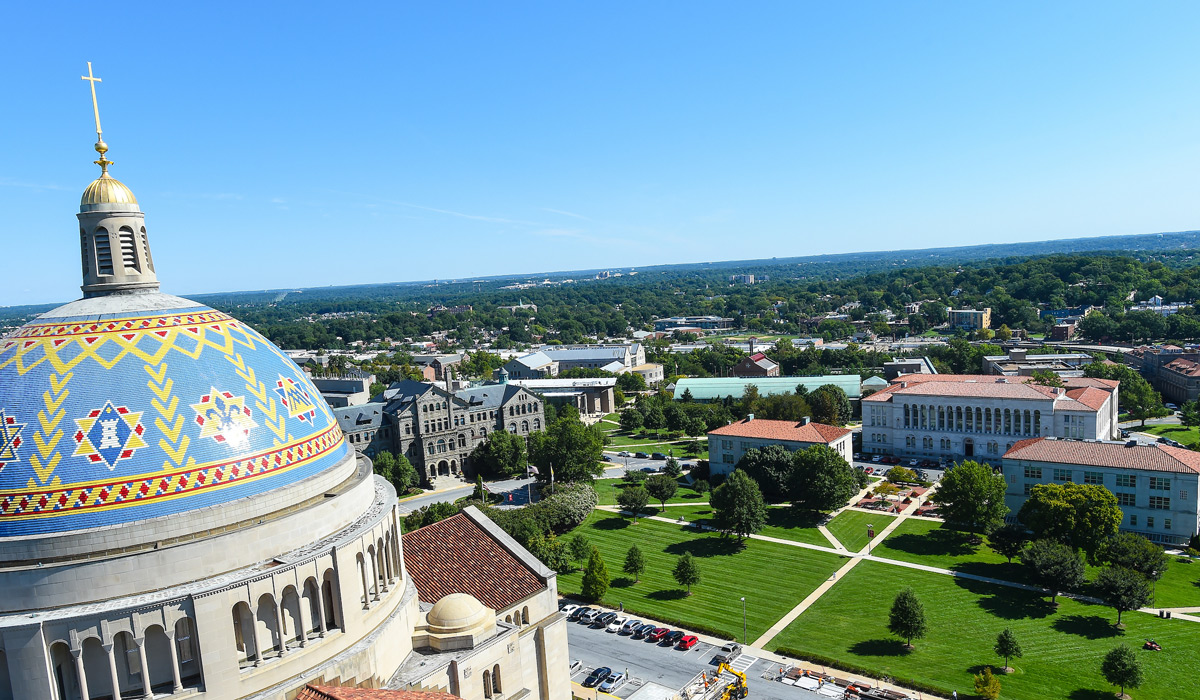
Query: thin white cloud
(566, 213)
(5, 182)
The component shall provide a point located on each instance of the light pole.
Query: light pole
(743, 619)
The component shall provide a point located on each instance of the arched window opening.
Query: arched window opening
(496, 679)
(187, 651)
(292, 625)
(243, 633)
(146, 248)
(66, 678)
(266, 629)
(160, 669)
(104, 264)
(328, 589)
(129, 256)
(487, 684)
(525, 615)
(83, 251)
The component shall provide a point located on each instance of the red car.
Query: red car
(657, 634)
(687, 642)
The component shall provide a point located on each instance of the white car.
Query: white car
(624, 453)
(631, 626)
(568, 609)
(615, 625)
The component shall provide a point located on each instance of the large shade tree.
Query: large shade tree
(1084, 516)
(971, 496)
(738, 505)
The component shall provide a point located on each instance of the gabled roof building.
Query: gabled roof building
(729, 443)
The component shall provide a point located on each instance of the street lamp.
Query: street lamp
(743, 619)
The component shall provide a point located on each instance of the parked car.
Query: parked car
(604, 619)
(624, 453)
(858, 455)
(605, 458)
(641, 632)
(640, 455)
(729, 652)
(615, 624)
(576, 664)
(673, 638)
(587, 615)
(915, 462)
(597, 676)
(649, 470)
(568, 610)
(1171, 407)
(687, 642)
(659, 456)
(631, 625)
(613, 682)
(657, 634)
(877, 459)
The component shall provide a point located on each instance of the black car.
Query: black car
(640, 455)
(673, 638)
(644, 630)
(578, 613)
(605, 458)
(596, 677)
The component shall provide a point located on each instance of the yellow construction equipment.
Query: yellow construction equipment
(737, 690)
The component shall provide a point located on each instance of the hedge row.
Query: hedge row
(840, 665)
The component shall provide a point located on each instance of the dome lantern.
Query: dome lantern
(112, 229)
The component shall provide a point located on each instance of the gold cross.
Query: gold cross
(95, 105)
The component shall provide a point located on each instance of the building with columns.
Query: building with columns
(181, 516)
(980, 417)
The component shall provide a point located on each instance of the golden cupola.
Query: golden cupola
(106, 189)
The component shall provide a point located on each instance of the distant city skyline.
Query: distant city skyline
(407, 142)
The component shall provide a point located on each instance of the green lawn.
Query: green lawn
(607, 490)
(773, 577)
(782, 522)
(1178, 433)
(850, 527)
(1063, 648)
(1179, 587)
(933, 544)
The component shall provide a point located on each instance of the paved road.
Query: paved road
(667, 666)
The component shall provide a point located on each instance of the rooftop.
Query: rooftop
(782, 430)
(1115, 455)
(710, 388)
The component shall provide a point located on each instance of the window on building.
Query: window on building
(727, 444)
(1033, 472)
(1126, 499)
(1160, 503)
(1183, 495)
(1093, 478)
(1062, 474)
(1132, 521)
(1166, 523)
(1029, 489)
(1126, 480)
(1160, 483)
(727, 458)
(1149, 521)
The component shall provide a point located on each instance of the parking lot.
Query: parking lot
(649, 662)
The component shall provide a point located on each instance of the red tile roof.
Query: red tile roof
(1089, 393)
(782, 430)
(1181, 366)
(325, 692)
(436, 555)
(1116, 455)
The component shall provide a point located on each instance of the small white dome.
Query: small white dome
(457, 612)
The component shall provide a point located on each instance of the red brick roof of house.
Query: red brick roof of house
(1116, 455)
(435, 558)
(782, 430)
(325, 692)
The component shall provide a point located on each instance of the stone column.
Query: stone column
(174, 661)
(321, 608)
(283, 647)
(374, 577)
(112, 668)
(83, 689)
(141, 645)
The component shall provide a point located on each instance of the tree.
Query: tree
(898, 474)
(551, 551)
(655, 419)
(397, 470)
(633, 499)
(630, 382)
(687, 572)
(1132, 551)
(1008, 540)
(630, 419)
(987, 685)
(771, 467)
(1082, 515)
(738, 505)
(686, 396)
(579, 548)
(1053, 566)
(672, 468)
(1008, 647)
(1045, 377)
(635, 563)
(1121, 668)
(502, 455)
(907, 617)
(821, 479)
(1003, 333)
(595, 578)
(972, 497)
(830, 405)
(574, 449)
(1189, 413)
(701, 486)
(1123, 589)
(661, 488)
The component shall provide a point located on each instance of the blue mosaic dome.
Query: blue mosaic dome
(119, 408)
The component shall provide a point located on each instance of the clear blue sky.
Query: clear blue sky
(292, 144)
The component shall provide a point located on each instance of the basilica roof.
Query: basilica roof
(126, 407)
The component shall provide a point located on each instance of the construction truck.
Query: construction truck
(737, 690)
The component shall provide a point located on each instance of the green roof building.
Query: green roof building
(717, 388)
